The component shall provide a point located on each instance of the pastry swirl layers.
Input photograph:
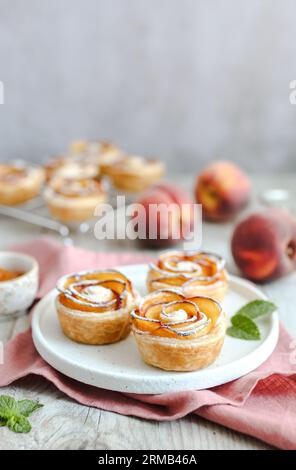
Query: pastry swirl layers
(83, 160)
(94, 307)
(178, 333)
(74, 200)
(134, 173)
(196, 273)
(19, 184)
(101, 153)
(71, 168)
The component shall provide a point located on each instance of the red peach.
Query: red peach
(166, 228)
(264, 245)
(223, 189)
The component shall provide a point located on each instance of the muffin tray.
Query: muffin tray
(119, 366)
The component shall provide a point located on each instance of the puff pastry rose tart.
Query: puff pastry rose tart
(134, 173)
(174, 332)
(103, 154)
(74, 200)
(108, 159)
(89, 148)
(195, 273)
(94, 307)
(71, 168)
(19, 184)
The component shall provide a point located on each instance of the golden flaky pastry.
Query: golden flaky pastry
(101, 153)
(196, 273)
(134, 173)
(94, 307)
(19, 184)
(177, 333)
(74, 200)
(71, 167)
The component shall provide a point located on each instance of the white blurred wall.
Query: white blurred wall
(185, 80)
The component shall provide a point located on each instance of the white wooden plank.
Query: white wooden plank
(64, 424)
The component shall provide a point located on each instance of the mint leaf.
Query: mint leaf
(19, 424)
(7, 402)
(257, 308)
(13, 414)
(8, 406)
(247, 325)
(240, 334)
(243, 328)
(26, 407)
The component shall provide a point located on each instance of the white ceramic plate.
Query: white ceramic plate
(119, 366)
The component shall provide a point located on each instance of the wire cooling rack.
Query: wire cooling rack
(35, 212)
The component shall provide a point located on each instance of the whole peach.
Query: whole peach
(223, 189)
(171, 218)
(264, 245)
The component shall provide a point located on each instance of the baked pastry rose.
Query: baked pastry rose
(108, 159)
(71, 168)
(74, 200)
(100, 152)
(196, 273)
(19, 184)
(94, 307)
(134, 173)
(174, 332)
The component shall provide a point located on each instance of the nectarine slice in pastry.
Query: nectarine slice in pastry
(195, 273)
(94, 307)
(178, 333)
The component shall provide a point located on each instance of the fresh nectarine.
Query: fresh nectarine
(223, 189)
(171, 225)
(264, 245)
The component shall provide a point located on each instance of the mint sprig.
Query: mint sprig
(14, 414)
(257, 308)
(243, 326)
(19, 424)
(26, 407)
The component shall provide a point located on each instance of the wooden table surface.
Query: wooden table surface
(64, 424)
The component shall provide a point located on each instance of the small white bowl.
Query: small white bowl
(19, 293)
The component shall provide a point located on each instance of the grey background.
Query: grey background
(183, 80)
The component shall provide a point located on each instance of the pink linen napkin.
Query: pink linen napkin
(261, 404)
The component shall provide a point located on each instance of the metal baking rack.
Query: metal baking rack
(35, 212)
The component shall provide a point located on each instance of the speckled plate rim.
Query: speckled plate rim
(162, 381)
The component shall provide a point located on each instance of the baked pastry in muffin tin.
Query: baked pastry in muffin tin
(19, 184)
(74, 200)
(94, 307)
(178, 333)
(195, 273)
